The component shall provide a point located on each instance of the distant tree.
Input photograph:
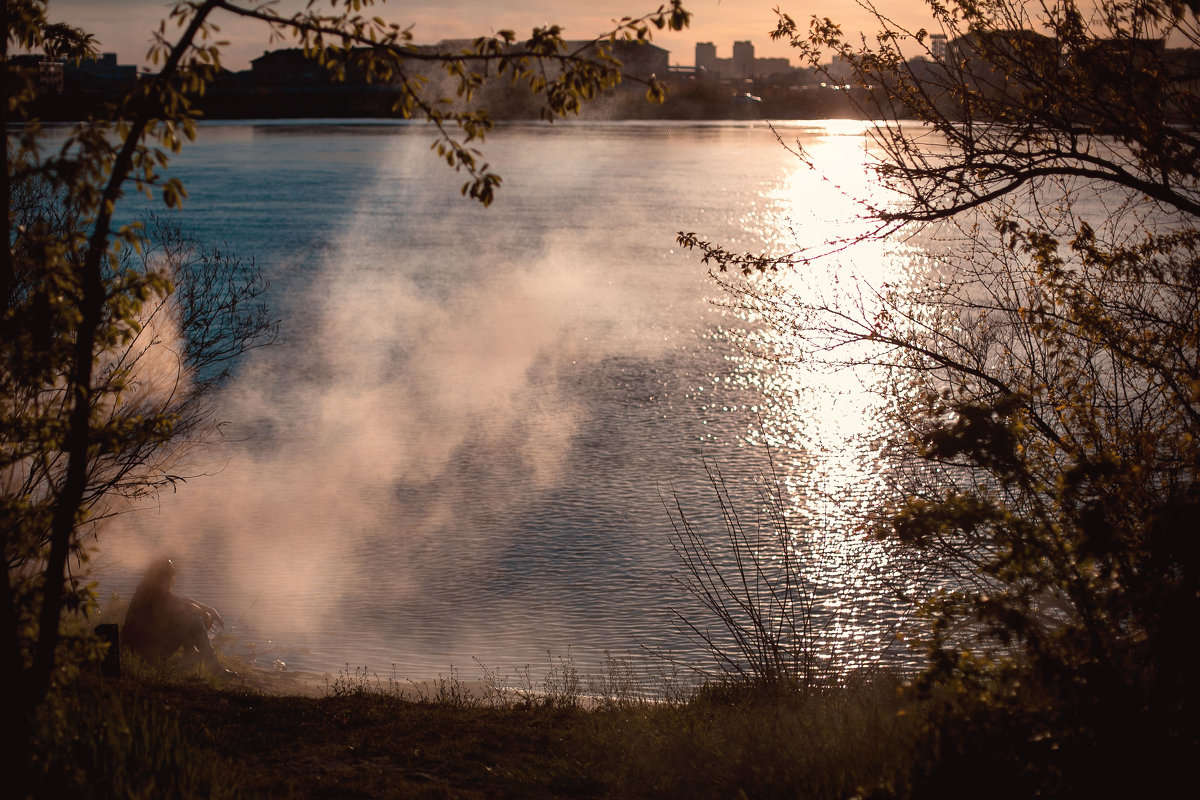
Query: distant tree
(82, 421)
(1046, 372)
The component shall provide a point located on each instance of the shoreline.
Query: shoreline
(303, 683)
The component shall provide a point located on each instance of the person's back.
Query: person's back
(159, 622)
(147, 618)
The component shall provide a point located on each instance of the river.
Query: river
(465, 449)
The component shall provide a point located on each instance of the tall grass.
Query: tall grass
(571, 734)
(90, 742)
(762, 621)
(860, 737)
(739, 741)
(619, 683)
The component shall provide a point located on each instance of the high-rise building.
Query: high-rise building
(706, 57)
(743, 59)
(938, 46)
(743, 64)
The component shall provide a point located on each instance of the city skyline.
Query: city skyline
(705, 54)
(126, 27)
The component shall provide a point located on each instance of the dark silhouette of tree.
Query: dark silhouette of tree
(1046, 372)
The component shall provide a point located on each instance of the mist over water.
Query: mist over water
(462, 447)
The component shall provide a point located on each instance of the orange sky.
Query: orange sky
(125, 26)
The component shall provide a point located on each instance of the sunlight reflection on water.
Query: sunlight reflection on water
(464, 447)
(823, 424)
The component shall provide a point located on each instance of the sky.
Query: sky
(126, 26)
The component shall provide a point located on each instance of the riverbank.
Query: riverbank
(190, 737)
(324, 684)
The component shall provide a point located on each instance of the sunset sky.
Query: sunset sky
(125, 26)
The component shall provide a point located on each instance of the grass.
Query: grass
(773, 724)
(150, 734)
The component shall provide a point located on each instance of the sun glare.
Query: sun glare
(823, 411)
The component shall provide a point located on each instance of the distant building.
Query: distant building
(641, 60)
(50, 77)
(772, 66)
(743, 59)
(744, 64)
(45, 73)
(289, 66)
(55, 76)
(839, 70)
(939, 47)
(1183, 69)
(638, 59)
(69, 90)
(986, 55)
(102, 74)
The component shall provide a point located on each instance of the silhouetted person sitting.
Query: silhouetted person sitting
(159, 622)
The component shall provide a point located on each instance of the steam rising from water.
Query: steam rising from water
(390, 395)
(383, 459)
(462, 448)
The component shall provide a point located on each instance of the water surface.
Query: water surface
(462, 448)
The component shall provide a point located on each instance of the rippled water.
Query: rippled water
(465, 447)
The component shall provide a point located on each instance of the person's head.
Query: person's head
(160, 576)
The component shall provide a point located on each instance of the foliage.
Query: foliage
(175, 319)
(112, 337)
(1046, 370)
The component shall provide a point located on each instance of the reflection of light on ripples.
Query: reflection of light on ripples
(822, 407)
(463, 452)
